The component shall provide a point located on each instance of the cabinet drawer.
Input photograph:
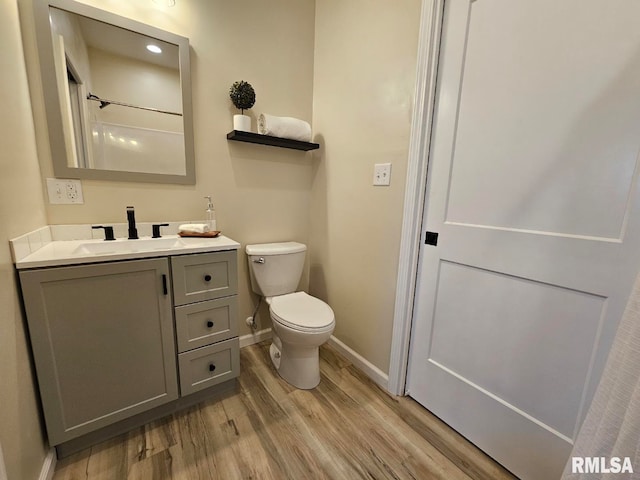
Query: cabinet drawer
(203, 323)
(208, 366)
(204, 276)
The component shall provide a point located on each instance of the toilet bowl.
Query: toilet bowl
(301, 322)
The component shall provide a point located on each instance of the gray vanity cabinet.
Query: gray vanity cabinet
(103, 342)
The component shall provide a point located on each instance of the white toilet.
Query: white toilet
(301, 323)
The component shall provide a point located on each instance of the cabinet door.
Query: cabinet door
(103, 342)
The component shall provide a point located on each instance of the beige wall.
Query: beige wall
(66, 25)
(21, 210)
(365, 59)
(260, 193)
(360, 105)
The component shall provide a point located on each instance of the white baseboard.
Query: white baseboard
(368, 368)
(48, 466)
(257, 337)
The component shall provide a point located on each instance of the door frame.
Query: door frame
(431, 17)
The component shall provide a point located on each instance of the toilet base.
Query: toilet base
(274, 353)
(298, 366)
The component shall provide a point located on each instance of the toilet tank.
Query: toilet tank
(275, 268)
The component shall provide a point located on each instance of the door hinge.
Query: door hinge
(431, 238)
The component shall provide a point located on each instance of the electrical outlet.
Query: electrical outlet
(64, 191)
(382, 174)
(72, 191)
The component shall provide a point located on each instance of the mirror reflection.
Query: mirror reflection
(117, 95)
(122, 92)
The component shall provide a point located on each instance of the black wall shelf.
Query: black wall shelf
(250, 137)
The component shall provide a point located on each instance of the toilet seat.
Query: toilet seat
(302, 312)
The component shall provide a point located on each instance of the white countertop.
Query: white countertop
(75, 252)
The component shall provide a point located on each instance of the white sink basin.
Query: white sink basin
(128, 246)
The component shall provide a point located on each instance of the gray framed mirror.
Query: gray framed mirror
(117, 96)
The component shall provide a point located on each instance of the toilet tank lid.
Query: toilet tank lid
(275, 248)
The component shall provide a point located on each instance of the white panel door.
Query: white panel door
(532, 188)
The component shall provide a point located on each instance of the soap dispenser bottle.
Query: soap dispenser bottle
(211, 215)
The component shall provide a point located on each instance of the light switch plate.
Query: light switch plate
(382, 174)
(64, 191)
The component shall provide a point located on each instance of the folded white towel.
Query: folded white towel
(284, 127)
(194, 227)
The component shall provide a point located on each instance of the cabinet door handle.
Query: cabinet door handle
(212, 367)
(207, 278)
(165, 290)
(209, 323)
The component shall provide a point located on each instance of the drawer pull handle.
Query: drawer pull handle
(207, 278)
(212, 367)
(209, 323)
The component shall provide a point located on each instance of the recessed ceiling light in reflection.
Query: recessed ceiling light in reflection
(165, 3)
(154, 48)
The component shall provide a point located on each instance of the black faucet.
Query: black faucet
(131, 218)
(156, 229)
(108, 231)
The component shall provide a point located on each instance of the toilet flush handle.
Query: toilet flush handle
(259, 260)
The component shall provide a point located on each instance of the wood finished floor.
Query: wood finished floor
(346, 428)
